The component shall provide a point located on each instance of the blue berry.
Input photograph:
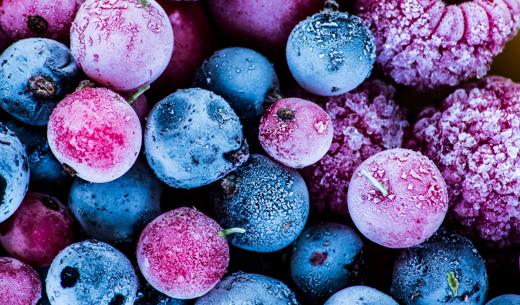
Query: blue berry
(35, 74)
(267, 199)
(446, 269)
(330, 53)
(360, 295)
(249, 288)
(193, 138)
(326, 258)
(243, 77)
(46, 171)
(14, 173)
(506, 299)
(116, 211)
(91, 272)
(147, 295)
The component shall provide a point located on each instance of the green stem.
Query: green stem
(380, 187)
(137, 94)
(230, 231)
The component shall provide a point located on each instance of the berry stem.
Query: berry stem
(380, 187)
(272, 96)
(331, 5)
(230, 231)
(137, 94)
(453, 283)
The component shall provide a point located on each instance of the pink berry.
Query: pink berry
(19, 283)
(397, 198)
(122, 44)
(295, 132)
(432, 43)
(95, 133)
(182, 254)
(474, 138)
(38, 230)
(366, 121)
(38, 18)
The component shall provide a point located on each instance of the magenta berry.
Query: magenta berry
(183, 254)
(19, 283)
(122, 44)
(95, 134)
(295, 132)
(397, 198)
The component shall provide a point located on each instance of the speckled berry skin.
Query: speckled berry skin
(104, 30)
(232, 68)
(182, 254)
(35, 74)
(421, 273)
(38, 18)
(193, 138)
(40, 228)
(249, 288)
(260, 24)
(19, 283)
(428, 44)
(14, 173)
(330, 53)
(413, 209)
(474, 138)
(506, 299)
(295, 132)
(326, 258)
(95, 133)
(116, 211)
(360, 295)
(147, 295)
(268, 200)
(366, 121)
(91, 272)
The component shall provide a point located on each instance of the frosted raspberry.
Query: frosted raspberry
(474, 138)
(431, 43)
(366, 121)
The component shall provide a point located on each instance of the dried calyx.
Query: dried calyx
(378, 185)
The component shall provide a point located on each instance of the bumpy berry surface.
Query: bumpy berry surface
(361, 295)
(19, 283)
(506, 299)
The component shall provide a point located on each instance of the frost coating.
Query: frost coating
(428, 43)
(19, 283)
(506, 299)
(360, 295)
(474, 138)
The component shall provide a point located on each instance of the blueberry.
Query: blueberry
(360, 295)
(267, 199)
(193, 138)
(330, 53)
(91, 272)
(243, 77)
(14, 173)
(446, 269)
(46, 171)
(326, 258)
(35, 74)
(115, 211)
(147, 295)
(506, 299)
(249, 288)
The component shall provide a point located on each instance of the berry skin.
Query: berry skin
(193, 138)
(40, 228)
(147, 295)
(249, 288)
(360, 295)
(506, 299)
(295, 132)
(116, 211)
(19, 283)
(14, 173)
(91, 272)
(326, 258)
(330, 53)
(38, 18)
(95, 134)
(232, 68)
(104, 30)
(268, 200)
(182, 254)
(397, 198)
(35, 74)
(447, 269)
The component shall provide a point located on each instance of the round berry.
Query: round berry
(361, 295)
(506, 299)
(19, 283)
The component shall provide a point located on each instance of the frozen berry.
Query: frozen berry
(183, 253)
(19, 283)
(360, 295)
(295, 132)
(397, 198)
(506, 299)
(330, 53)
(122, 44)
(95, 133)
